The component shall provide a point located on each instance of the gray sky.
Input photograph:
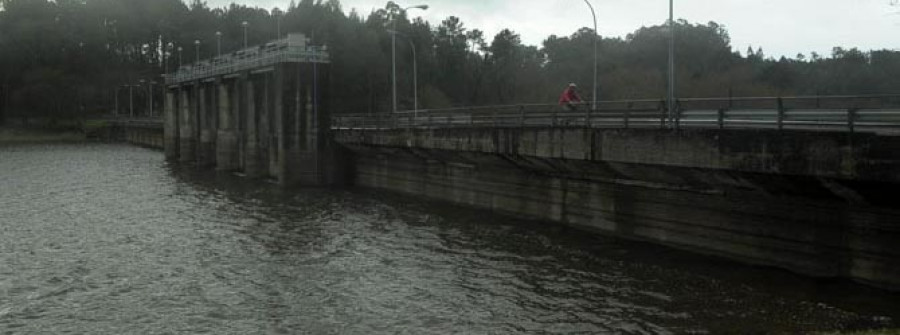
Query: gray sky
(781, 27)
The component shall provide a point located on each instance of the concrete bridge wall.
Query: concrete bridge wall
(811, 202)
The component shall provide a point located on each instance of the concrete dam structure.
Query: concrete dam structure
(778, 193)
(258, 111)
(808, 188)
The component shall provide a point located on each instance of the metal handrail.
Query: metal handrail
(291, 49)
(871, 113)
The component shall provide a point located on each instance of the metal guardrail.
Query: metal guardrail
(875, 113)
(292, 49)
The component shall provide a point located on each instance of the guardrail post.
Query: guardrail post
(851, 119)
(663, 111)
(780, 113)
(587, 117)
(721, 117)
(494, 118)
(449, 120)
(522, 116)
(553, 119)
(409, 121)
(430, 119)
(628, 115)
(677, 114)
(472, 117)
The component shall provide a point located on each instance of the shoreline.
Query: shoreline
(10, 135)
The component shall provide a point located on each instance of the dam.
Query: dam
(798, 183)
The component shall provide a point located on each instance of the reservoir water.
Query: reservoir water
(110, 239)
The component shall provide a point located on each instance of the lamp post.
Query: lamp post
(169, 47)
(671, 90)
(394, 51)
(278, 24)
(596, 37)
(415, 74)
(180, 49)
(197, 52)
(245, 24)
(218, 43)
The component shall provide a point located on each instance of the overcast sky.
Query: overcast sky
(781, 27)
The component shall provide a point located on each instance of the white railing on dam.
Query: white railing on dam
(874, 113)
(291, 49)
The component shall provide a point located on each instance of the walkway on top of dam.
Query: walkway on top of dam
(862, 113)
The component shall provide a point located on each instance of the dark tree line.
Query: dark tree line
(69, 58)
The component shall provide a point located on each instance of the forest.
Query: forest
(75, 58)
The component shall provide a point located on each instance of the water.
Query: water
(109, 239)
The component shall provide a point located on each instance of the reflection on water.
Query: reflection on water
(108, 239)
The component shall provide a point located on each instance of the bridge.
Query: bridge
(801, 183)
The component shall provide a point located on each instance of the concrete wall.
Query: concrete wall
(814, 203)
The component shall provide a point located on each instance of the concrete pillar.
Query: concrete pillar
(251, 135)
(170, 127)
(264, 134)
(308, 154)
(281, 121)
(186, 126)
(226, 137)
(272, 125)
(205, 154)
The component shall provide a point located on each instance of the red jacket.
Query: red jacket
(569, 96)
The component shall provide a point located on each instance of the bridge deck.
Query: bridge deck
(880, 114)
(292, 49)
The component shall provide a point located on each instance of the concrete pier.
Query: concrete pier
(170, 128)
(261, 111)
(186, 140)
(226, 138)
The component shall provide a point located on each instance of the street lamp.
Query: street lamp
(165, 58)
(180, 49)
(394, 50)
(671, 95)
(596, 37)
(245, 24)
(278, 24)
(197, 52)
(218, 43)
(415, 75)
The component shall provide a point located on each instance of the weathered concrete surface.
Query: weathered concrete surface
(171, 130)
(847, 156)
(270, 122)
(813, 203)
(226, 139)
(186, 126)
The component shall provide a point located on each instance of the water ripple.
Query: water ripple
(109, 239)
